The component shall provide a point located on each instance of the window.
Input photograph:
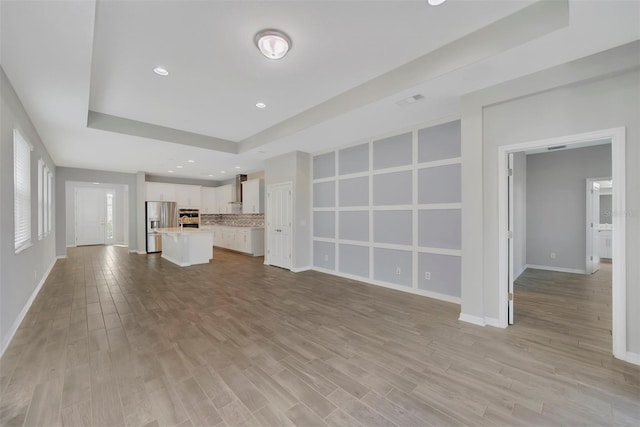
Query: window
(49, 202)
(21, 192)
(41, 196)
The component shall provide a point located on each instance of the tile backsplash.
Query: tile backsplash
(234, 220)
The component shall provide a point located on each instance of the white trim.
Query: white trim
(408, 289)
(61, 257)
(392, 246)
(140, 252)
(324, 239)
(395, 169)
(300, 269)
(554, 268)
(392, 208)
(475, 320)
(324, 209)
(493, 321)
(25, 309)
(326, 179)
(437, 206)
(439, 251)
(437, 163)
(353, 242)
(518, 273)
(71, 246)
(348, 175)
(632, 358)
(619, 308)
(351, 208)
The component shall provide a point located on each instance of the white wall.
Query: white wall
(556, 204)
(597, 92)
(20, 274)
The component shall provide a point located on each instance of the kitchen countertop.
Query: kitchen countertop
(231, 226)
(178, 230)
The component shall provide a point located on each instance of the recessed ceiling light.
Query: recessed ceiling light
(179, 166)
(170, 171)
(191, 161)
(222, 172)
(96, 183)
(210, 174)
(237, 167)
(161, 71)
(273, 44)
(261, 105)
(435, 2)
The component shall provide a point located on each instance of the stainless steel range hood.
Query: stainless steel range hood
(239, 180)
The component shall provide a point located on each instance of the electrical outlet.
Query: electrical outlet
(427, 275)
(326, 257)
(398, 271)
(552, 255)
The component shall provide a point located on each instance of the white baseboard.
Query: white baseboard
(300, 269)
(421, 292)
(558, 269)
(61, 257)
(71, 246)
(140, 252)
(25, 309)
(632, 358)
(476, 320)
(515, 276)
(492, 321)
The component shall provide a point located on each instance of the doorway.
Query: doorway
(94, 216)
(505, 189)
(279, 225)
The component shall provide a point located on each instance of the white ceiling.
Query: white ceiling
(65, 58)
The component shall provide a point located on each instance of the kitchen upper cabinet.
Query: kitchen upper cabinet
(188, 196)
(253, 196)
(208, 201)
(224, 195)
(161, 192)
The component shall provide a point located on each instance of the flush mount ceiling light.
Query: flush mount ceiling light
(261, 105)
(273, 44)
(161, 71)
(435, 2)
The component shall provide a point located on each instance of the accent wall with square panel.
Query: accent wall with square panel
(388, 211)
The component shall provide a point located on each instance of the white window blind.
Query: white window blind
(49, 201)
(21, 192)
(41, 198)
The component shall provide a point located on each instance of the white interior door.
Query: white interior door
(279, 223)
(510, 234)
(90, 216)
(593, 222)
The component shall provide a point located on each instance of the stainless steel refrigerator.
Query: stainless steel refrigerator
(159, 215)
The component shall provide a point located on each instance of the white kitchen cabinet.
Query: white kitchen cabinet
(188, 196)
(160, 192)
(241, 239)
(605, 238)
(208, 200)
(253, 196)
(223, 197)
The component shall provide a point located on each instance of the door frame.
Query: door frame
(590, 248)
(267, 234)
(618, 175)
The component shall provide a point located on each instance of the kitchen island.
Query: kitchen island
(186, 246)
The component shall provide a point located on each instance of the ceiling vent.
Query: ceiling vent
(410, 100)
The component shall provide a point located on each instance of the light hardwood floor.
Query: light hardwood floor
(117, 339)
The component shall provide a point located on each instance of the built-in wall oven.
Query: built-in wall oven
(189, 218)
